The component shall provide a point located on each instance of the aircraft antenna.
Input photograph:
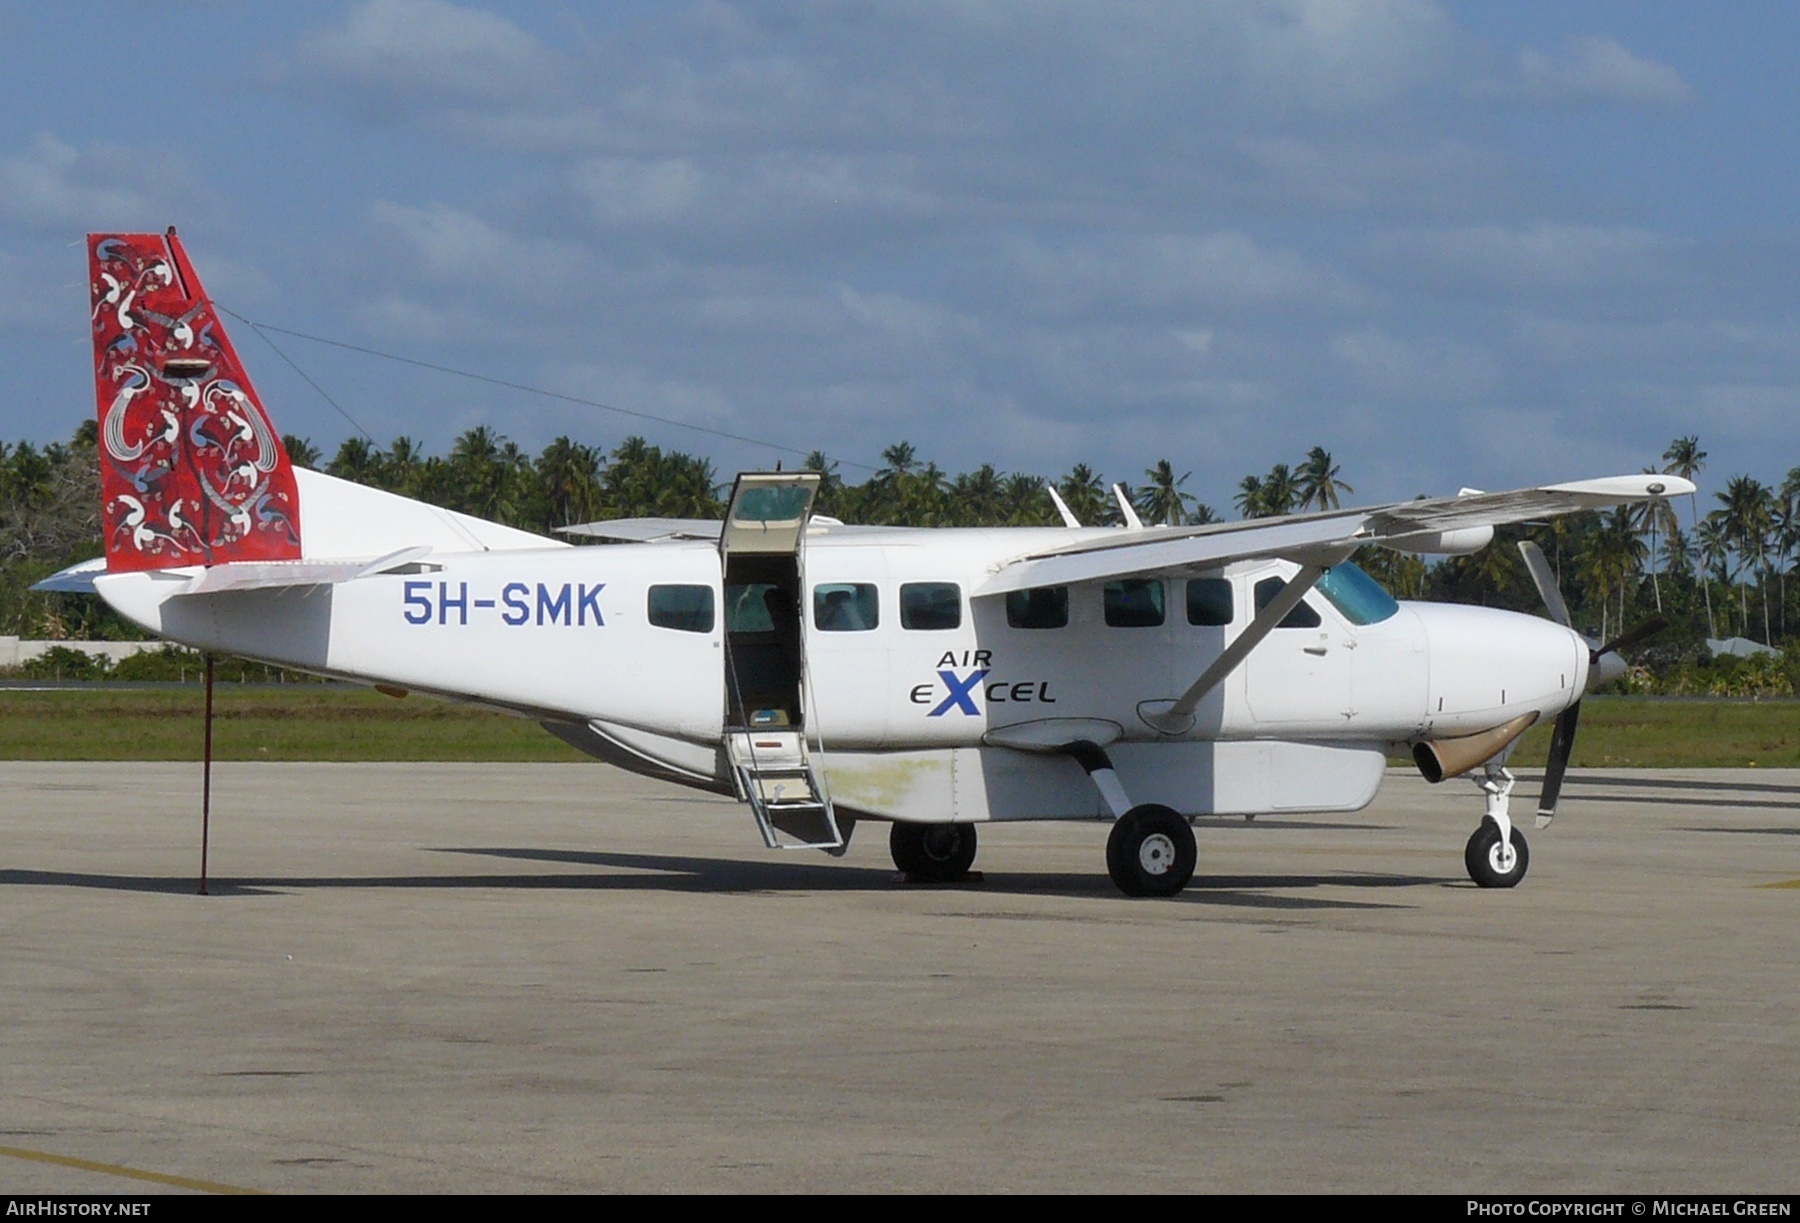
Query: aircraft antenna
(261, 328)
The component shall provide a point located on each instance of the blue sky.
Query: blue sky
(1454, 244)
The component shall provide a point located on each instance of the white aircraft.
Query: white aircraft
(826, 674)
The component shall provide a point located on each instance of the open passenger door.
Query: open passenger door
(772, 764)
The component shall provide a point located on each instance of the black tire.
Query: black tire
(933, 853)
(1482, 857)
(1151, 851)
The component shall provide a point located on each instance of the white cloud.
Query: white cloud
(450, 246)
(1591, 68)
(52, 185)
(768, 190)
(397, 51)
(1542, 255)
(1419, 372)
(1171, 272)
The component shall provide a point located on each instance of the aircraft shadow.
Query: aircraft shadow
(1581, 782)
(680, 873)
(1658, 800)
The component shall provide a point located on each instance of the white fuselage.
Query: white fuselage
(918, 723)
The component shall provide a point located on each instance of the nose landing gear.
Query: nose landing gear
(1496, 856)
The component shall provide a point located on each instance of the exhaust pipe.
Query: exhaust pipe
(1441, 758)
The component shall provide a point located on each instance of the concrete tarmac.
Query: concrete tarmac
(553, 978)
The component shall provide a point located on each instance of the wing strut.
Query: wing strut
(1178, 718)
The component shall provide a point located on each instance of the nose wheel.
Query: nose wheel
(1496, 856)
(1494, 861)
(1151, 851)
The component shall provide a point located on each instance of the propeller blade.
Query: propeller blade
(1633, 635)
(1562, 743)
(1545, 580)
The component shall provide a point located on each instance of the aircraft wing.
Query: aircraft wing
(1189, 550)
(647, 530)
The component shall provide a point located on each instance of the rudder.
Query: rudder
(192, 471)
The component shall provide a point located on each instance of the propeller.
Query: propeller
(1562, 736)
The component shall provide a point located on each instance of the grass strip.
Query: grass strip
(326, 722)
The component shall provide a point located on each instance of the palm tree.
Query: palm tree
(1281, 490)
(1319, 485)
(1610, 557)
(1685, 459)
(1713, 549)
(1748, 523)
(976, 497)
(357, 459)
(568, 481)
(1163, 501)
(830, 498)
(1084, 493)
(401, 467)
(1024, 503)
(901, 459)
(1250, 500)
(1658, 516)
(300, 451)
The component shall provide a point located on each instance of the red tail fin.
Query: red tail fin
(191, 470)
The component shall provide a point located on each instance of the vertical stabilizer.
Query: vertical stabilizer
(192, 471)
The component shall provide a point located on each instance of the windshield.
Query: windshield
(1356, 595)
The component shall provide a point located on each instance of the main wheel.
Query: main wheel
(1490, 866)
(933, 853)
(1151, 851)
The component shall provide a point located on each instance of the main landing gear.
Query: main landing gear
(1496, 856)
(1151, 851)
(933, 853)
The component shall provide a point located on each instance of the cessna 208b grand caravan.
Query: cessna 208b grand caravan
(823, 673)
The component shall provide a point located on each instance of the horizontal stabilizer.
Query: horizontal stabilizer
(268, 575)
(75, 580)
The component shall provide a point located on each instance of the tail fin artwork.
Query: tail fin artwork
(191, 470)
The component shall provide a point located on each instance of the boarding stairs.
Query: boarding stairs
(775, 773)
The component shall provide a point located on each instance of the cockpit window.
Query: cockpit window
(1357, 595)
(1302, 616)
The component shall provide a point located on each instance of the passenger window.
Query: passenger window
(1040, 607)
(1134, 603)
(1209, 601)
(931, 605)
(688, 609)
(846, 607)
(1303, 616)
